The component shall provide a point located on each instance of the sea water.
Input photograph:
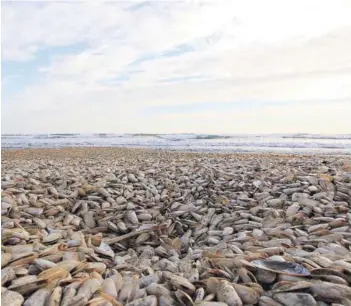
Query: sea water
(278, 143)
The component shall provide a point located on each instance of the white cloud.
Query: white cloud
(270, 119)
(245, 50)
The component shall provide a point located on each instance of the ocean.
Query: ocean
(276, 143)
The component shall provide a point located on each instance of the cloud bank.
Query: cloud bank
(167, 67)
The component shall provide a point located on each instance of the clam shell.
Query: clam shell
(38, 298)
(132, 217)
(289, 268)
(175, 229)
(11, 298)
(182, 283)
(295, 299)
(246, 294)
(286, 286)
(5, 259)
(227, 294)
(150, 300)
(267, 301)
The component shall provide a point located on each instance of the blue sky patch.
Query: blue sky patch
(19, 75)
(178, 50)
(139, 6)
(182, 79)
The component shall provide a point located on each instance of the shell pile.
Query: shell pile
(143, 228)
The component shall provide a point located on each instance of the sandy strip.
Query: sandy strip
(108, 152)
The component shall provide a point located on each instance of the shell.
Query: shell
(227, 294)
(286, 286)
(5, 259)
(295, 299)
(267, 301)
(132, 217)
(246, 294)
(264, 276)
(289, 268)
(330, 292)
(115, 226)
(182, 283)
(38, 298)
(11, 298)
(150, 300)
(67, 296)
(88, 288)
(55, 297)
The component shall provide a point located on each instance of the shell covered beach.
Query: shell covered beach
(112, 226)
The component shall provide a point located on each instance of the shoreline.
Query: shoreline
(81, 152)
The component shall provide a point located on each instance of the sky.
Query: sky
(223, 66)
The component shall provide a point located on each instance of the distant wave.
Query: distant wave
(53, 136)
(211, 137)
(106, 135)
(179, 144)
(145, 135)
(181, 135)
(10, 136)
(316, 136)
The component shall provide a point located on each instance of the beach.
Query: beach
(121, 226)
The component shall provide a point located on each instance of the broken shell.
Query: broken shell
(182, 283)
